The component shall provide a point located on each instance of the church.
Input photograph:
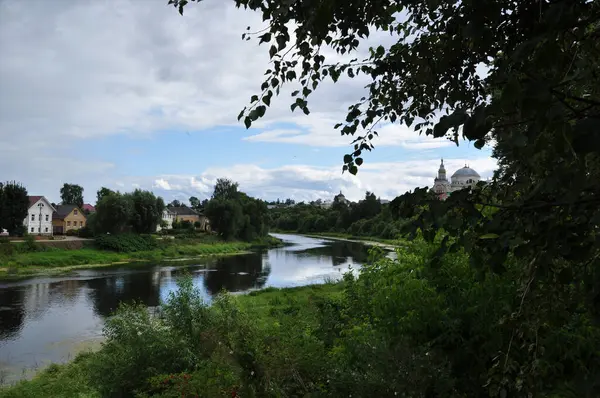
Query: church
(462, 178)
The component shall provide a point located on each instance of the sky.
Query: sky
(129, 94)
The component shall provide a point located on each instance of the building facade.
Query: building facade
(167, 218)
(463, 178)
(39, 216)
(66, 218)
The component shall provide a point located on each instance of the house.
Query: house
(66, 218)
(167, 218)
(184, 213)
(39, 216)
(88, 208)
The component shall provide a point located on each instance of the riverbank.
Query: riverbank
(271, 312)
(52, 261)
(390, 244)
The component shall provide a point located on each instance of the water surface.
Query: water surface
(48, 319)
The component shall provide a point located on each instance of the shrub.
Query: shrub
(30, 244)
(85, 232)
(125, 242)
(72, 232)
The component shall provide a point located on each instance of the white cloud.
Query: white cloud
(306, 183)
(71, 71)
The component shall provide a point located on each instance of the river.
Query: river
(50, 319)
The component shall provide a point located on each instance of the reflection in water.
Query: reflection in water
(41, 318)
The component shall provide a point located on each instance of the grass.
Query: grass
(268, 307)
(53, 260)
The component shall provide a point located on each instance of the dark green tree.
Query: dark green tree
(225, 189)
(113, 213)
(14, 204)
(226, 217)
(194, 202)
(174, 203)
(146, 211)
(72, 194)
(102, 192)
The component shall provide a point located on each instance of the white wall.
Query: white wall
(46, 226)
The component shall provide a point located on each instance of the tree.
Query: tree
(537, 101)
(226, 217)
(146, 211)
(113, 213)
(72, 194)
(14, 204)
(194, 202)
(225, 189)
(174, 203)
(102, 192)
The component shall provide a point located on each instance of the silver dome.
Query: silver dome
(466, 172)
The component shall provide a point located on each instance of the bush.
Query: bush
(30, 244)
(125, 243)
(72, 232)
(85, 232)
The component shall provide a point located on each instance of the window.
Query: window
(75, 212)
(39, 230)
(31, 229)
(46, 217)
(68, 223)
(32, 218)
(81, 223)
(46, 229)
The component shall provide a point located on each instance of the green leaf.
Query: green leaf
(247, 122)
(347, 158)
(489, 236)
(358, 161)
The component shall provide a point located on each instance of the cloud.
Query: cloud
(75, 71)
(306, 182)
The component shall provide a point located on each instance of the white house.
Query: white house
(39, 216)
(168, 217)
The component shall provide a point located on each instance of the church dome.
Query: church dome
(466, 172)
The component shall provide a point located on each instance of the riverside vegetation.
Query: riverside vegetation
(497, 294)
(121, 230)
(401, 328)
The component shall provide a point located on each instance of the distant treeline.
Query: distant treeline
(368, 217)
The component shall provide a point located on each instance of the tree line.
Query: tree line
(368, 217)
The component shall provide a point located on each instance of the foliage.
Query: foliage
(147, 211)
(368, 218)
(72, 194)
(521, 75)
(102, 192)
(139, 211)
(225, 189)
(235, 215)
(225, 217)
(14, 204)
(113, 213)
(196, 204)
(125, 243)
(174, 203)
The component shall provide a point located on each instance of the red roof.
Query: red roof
(33, 200)
(88, 207)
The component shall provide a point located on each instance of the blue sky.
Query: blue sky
(112, 94)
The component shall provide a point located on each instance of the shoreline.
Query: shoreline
(385, 243)
(32, 264)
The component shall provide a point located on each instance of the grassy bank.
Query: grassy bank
(271, 310)
(56, 260)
